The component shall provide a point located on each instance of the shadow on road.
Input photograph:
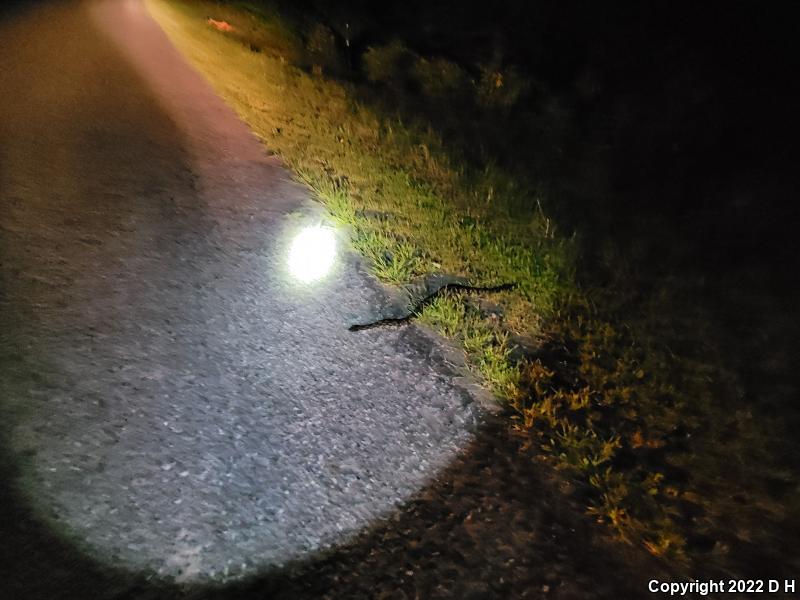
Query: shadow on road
(493, 525)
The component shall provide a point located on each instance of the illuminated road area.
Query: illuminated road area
(180, 393)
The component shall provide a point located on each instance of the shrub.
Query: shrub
(439, 78)
(389, 64)
(322, 51)
(500, 89)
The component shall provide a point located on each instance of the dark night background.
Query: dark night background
(682, 112)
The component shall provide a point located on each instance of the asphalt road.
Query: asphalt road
(188, 405)
(176, 406)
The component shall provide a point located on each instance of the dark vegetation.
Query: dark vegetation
(625, 111)
(657, 100)
(660, 138)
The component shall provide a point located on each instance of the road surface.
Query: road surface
(186, 403)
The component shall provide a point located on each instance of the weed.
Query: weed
(445, 313)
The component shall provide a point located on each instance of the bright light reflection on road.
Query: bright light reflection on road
(312, 253)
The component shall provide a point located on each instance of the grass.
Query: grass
(592, 375)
